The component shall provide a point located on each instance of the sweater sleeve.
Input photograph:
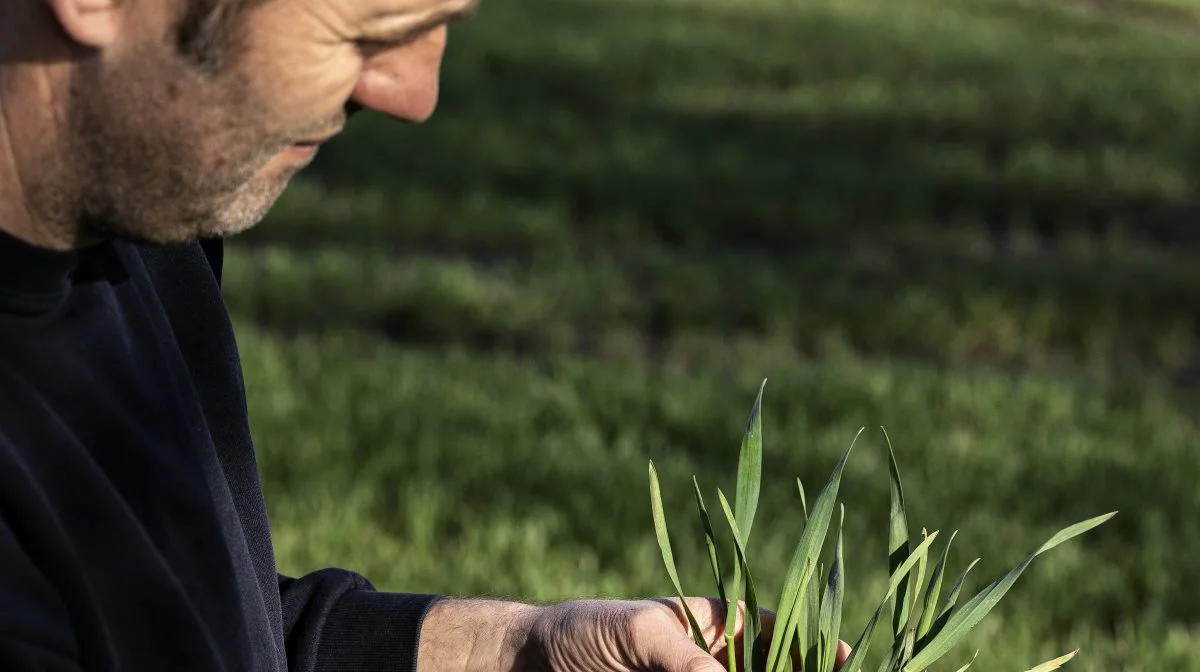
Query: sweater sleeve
(333, 620)
(336, 621)
(17, 655)
(35, 626)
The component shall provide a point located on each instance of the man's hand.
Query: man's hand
(582, 636)
(621, 636)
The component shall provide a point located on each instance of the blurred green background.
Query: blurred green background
(973, 222)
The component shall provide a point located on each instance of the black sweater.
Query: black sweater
(133, 532)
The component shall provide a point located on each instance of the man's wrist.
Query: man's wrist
(475, 635)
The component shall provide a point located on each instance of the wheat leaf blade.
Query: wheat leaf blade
(1054, 664)
(890, 662)
(956, 589)
(934, 590)
(858, 652)
(803, 499)
(808, 627)
(710, 540)
(752, 624)
(749, 484)
(831, 610)
(904, 645)
(749, 476)
(804, 561)
(969, 662)
(965, 619)
(664, 545)
(947, 608)
(898, 539)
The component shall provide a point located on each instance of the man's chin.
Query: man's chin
(248, 208)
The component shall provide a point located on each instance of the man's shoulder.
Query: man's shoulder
(187, 282)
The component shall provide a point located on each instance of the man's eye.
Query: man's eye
(374, 46)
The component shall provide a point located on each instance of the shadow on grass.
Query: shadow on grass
(659, 139)
(671, 125)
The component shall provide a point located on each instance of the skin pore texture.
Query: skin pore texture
(141, 120)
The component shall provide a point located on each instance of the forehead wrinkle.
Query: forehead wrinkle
(334, 20)
(420, 9)
(400, 30)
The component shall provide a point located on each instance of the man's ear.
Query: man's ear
(92, 23)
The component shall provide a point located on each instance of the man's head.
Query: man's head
(165, 120)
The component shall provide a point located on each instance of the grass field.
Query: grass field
(970, 222)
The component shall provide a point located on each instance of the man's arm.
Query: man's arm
(335, 621)
(19, 655)
(35, 629)
(481, 635)
(468, 635)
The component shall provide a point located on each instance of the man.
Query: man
(134, 136)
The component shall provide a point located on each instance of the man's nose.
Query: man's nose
(403, 81)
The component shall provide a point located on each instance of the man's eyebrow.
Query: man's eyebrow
(413, 32)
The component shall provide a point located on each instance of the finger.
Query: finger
(709, 614)
(681, 655)
(671, 648)
(843, 653)
(767, 629)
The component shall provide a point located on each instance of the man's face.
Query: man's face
(163, 149)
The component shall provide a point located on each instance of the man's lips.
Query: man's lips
(304, 150)
(308, 147)
(318, 140)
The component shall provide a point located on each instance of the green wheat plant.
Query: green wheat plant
(925, 625)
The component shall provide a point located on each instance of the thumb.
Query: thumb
(680, 654)
(696, 661)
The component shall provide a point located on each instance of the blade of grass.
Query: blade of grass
(898, 540)
(956, 589)
(1054, 664)
(807, 626)
(749, 480)
(947, 608)
(804, 503)
(831, 610)
(920, 579)
(749, 483)
(905, 645)
(804, 561)
(812, 658)
(664, 544)
(971, 613)
(803, 500)
(808, 623)
(892, 661)
(933, 592)
(752, 625)
(711, 541)
(858, 652)
(969, 662)
(808, 620)
(906, 649)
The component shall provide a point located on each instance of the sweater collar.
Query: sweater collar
(32, 272)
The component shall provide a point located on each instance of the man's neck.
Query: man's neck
(27, 90)
(16, 218)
